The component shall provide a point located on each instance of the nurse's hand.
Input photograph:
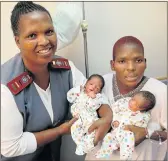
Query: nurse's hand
(139, 133)
(65, 128)
(101, 126)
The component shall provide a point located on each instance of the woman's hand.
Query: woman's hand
(139, 133)
(101, 126)
(65, 128)
(163, 135)
(46, 136)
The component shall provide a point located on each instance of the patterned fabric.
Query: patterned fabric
(146, 150)
(119, 137)
(123, 139)
(117, 94)
(84, 108)
(125, 116)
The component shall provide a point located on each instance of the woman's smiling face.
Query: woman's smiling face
(36, 38)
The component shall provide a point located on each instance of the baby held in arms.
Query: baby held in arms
(85, 102)
(127, 111)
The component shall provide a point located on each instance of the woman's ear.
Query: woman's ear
(112, 65)
(17, 41)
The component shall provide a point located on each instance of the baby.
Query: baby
(86, 100)
(127, 111)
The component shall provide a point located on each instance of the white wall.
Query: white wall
(108, 21)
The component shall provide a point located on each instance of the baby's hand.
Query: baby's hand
(92, 94)
(76, 116)
(115, 124)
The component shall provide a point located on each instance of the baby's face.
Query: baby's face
(94, 85)
(137, 103)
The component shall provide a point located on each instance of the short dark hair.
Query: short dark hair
(21, 8)
(127, 40)
(148, 96)
(98, 76)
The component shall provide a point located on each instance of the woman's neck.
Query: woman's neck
(35, 68)
(126, 89)
(40, 74)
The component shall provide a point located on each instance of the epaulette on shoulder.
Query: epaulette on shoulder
(60, 63)
(19, 83)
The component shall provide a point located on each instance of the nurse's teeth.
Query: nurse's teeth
(43, 51)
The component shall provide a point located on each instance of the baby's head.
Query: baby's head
(142, 101)
(95, 83)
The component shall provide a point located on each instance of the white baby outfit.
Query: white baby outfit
(120, 137)
(84, 107)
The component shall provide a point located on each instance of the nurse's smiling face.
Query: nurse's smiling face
(36, 38)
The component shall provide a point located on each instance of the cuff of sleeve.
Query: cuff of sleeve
(31, 143)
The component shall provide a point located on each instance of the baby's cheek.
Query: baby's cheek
(132, 103)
